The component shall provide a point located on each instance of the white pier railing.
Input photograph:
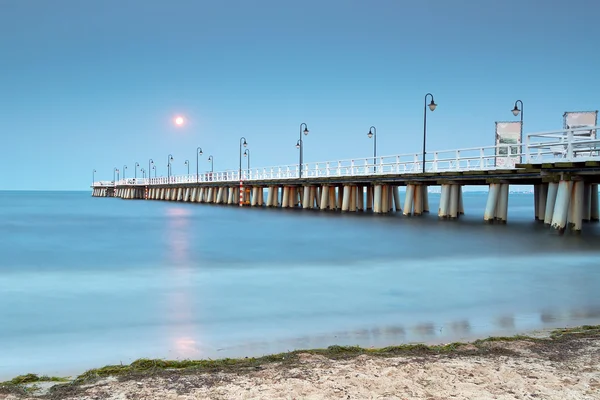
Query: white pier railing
(578, 144)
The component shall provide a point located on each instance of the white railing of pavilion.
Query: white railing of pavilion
(568, 145)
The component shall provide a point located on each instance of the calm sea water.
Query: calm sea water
(87, 281)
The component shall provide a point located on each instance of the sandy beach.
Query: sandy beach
(563, 366)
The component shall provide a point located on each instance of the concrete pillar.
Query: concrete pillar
(550, 202)
(219, 195)
(587, 206)
(261, 196)
(377, 199)
(254, 197)
(370, 197)
(453, 201)
(577, 206)
(360, 198)
(594, 202)
(186, 194)
(210, 195)
(461, 207)
(339, 198)
(542, 197)
(502, 206)
(444, 208)
(390, 198)
(346, 198)
(286, 195)
(561, 207)
(352, 198)
(306, 203)
(332, 201)
(396, 194)
(194, 194)
(409, 199)
(324, 197)
(425, 198)
(385, 207)
(179, 194)
(270, 197)
(492, 202)
(312, 194)
(418, 200)
(536, 200)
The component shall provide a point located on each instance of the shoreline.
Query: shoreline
(550, 353)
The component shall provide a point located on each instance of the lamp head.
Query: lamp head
(245, 143)
(200, 152)
(432, 105)
(306, 130)
(298, 144)
(516, 111)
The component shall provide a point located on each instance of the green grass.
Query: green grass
(150, 366)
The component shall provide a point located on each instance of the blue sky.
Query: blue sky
(87, 85)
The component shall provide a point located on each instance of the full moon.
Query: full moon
(179, 120)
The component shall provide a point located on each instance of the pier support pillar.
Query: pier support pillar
(385, 206)
(370, 190)
(492, 202)
(425, 198)
(396, 194)
(360, 198)
(286, 195)
(576, 206)
(324, 197)
(377, 199)
(312, 196)
(418, 200)
(210, 195)
(270, 197)
(502, 206)
(353, 190)
(542, 197)
(408, 200)
(306, 203)
(346, 198)
(444, 208)
(561, 207)
(219, 195)
(453, 212)
(186, 196)
(550, 202)
(254, 198)
(587, 206)
(594, 214)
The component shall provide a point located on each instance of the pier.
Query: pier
(562, 166)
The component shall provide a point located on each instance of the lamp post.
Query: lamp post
(124, 168)
(300, 145)
(116, 170)
(93, 177)
(187, 162)
(150, 167)
(432, 107)
(242, 143)
(516, 112)
(143, 173)
(247, 154)
(373, 134)
(169, 166)
(198, 153)
(150, 174)
(137, 164)
(212, 163)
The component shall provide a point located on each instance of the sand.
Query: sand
(521, 369)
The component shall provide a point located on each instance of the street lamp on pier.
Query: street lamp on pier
(115, 171)
(137, 164)
(143, 171)
(432, 107)
(516, 112)
(300, 145)
(150, 167)
(150, 173)
(124, 168)
(211, 160)
(373, 134)
(169, 166)
(242, 143)
(187, 162)
(93, 176)
(247, 154)
(198, 153)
